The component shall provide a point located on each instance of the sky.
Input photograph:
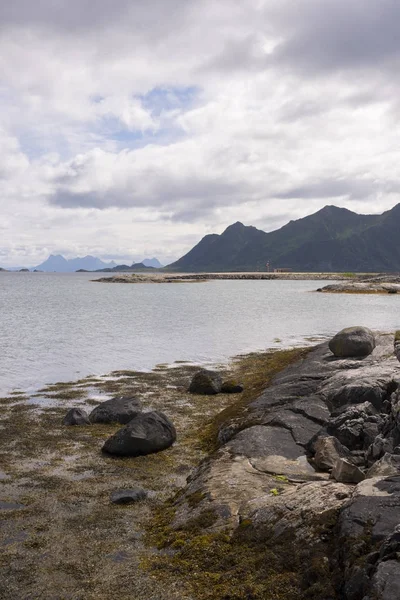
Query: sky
(132, 129)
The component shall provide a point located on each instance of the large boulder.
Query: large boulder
(76, 416)
(117, 410)
(206, 382)
(146, 433)
(352, 341)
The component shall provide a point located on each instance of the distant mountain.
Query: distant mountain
(62, 265)
(332, 239)
(152, 262)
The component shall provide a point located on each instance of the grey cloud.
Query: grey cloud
(185, 200)
(333, 35)
(70, 15)
(355, 189)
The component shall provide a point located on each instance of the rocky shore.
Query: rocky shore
(382, 284)
(194, 277)
(307, 476)
(283, 482)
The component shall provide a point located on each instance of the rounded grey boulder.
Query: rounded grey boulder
(76, 416)
(352, 341)
(206, 382)
(146, 433)
(117, 410)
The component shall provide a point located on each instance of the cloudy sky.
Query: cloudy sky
(132, 129)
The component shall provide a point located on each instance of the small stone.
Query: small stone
(76, 416)
(344, 472)
(231, 387)
(128, 496)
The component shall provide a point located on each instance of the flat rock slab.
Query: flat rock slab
(302, 428)
(297, 471)
(263, 440)
(128, 496)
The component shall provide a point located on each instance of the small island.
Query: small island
(359, 284)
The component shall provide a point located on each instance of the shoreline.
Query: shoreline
(55, 485)
(225, 503)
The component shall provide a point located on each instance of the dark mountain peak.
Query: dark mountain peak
(237, 225)
(239, 230)
(330, 210)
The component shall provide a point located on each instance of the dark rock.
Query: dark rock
(259, 441)
(206, 382)
(356, 427)
(117, 410)
(352, 341)
(302, 428)
(128, 496)
(327, 451)
(231, 387)
(356, 393)
(146, 433)
(76, 416)
(345, 472)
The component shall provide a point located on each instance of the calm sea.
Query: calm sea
(60, 327)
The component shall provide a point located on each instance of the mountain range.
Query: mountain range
(330, 240)
(57, 263)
